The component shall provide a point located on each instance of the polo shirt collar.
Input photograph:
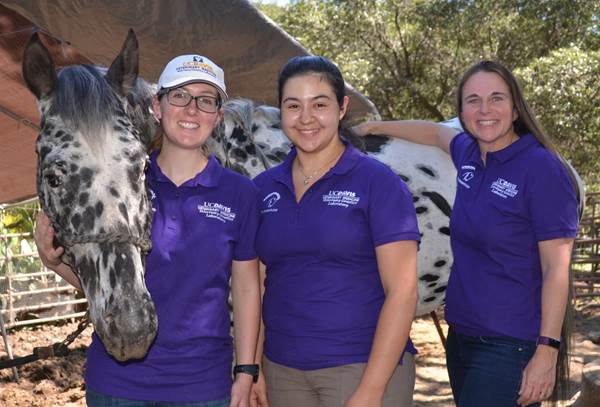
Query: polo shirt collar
(522, 143)
(209, 177)
(350, 157)
(347, 161)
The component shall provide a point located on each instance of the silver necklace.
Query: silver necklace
(308, 178)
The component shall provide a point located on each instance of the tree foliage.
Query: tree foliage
(407, 56)
(564, 89)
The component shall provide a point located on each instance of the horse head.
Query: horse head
(95, 130)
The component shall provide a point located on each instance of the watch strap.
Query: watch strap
(545, 340)
(252, 370)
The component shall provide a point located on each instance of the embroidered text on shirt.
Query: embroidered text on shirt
(503, 188)
(216, 211)
(341, 198)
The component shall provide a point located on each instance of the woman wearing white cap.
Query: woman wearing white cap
(204, 223)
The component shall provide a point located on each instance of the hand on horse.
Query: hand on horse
(539, 376)
(258, 395)
(44, 237)
(240, 391)
(362, 129)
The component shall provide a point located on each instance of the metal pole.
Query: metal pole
(7, 346)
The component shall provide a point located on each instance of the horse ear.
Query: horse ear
(38, 68)
(123, 72)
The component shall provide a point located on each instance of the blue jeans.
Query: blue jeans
(486, 370)
(95, 399)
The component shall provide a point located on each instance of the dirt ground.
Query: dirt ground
(59, 381)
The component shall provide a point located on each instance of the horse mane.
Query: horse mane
(240, 112)
(269, 113)
(84, 100)
(86, 103)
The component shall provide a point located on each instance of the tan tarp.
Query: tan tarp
(233, 33)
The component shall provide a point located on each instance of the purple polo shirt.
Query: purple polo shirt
(198, 229)
(323, 292)
(523, 195)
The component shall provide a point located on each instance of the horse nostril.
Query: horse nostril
(108, 318)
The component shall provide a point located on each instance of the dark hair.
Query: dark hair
(526, 121)
(315, 64)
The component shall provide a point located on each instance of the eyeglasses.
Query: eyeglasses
(181, 98)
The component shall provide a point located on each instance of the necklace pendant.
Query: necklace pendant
(306, 181)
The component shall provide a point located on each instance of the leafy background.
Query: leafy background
(408, 55)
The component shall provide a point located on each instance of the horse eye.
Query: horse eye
(52, 180)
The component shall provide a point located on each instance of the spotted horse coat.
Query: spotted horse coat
(251, 140)
(95, 129)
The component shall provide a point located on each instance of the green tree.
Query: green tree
(407, 55)
(565, 87)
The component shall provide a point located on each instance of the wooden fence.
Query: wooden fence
(42, 296)
(585, 264)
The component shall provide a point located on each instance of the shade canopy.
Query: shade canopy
(233, 33)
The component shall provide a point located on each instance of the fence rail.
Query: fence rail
(22, 294)
(33, 297)
(585, 264)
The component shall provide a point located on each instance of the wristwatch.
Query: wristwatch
(252, 370)
(544, 340)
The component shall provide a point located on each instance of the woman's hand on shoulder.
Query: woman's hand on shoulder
(363, 129)
(258, 395)
(44, 238)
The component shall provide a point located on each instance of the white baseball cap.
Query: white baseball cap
(192, 68)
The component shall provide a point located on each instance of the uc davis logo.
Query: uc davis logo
(467, 173)
(270, 200)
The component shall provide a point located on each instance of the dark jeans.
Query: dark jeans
(486, 370)
(95, 399)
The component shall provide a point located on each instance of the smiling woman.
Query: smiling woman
(337, 235)
(488, 111)
(204, 219)
(512, 229)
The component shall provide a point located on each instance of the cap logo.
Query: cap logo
(197, 64)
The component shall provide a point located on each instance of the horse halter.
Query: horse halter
(144, 243)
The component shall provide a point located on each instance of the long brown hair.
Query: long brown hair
(526, 123)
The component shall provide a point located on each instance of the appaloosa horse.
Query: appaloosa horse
(252, 141)
(92, 151)
(95, 131)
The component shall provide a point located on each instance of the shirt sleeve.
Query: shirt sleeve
(458, 148)
(552, 201)
(249, 218)
(392, 215)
